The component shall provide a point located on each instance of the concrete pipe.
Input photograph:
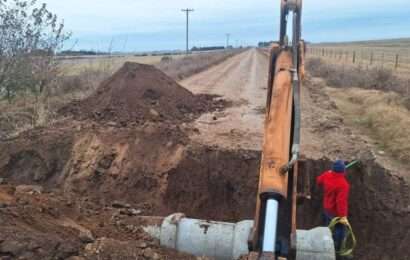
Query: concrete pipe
(315, 244)
(220, 240)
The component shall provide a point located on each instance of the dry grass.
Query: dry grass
(380, 115)
(77, 65)
(373, 54)
(340, 75)
(375, 101)
(179, 69)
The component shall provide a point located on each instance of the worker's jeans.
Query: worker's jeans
(339, 232)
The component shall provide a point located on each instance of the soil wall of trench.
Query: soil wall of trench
(379, 209)
(219, 187)
(205, 182)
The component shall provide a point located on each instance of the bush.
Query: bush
(166, 59)
(30, 35)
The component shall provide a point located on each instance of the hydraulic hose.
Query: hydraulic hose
(296, 97)
(349, 242)
(296, 86)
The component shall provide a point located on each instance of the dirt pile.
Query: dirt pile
(137, 93)
(52, 225)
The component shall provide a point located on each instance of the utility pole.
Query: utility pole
(187, 11)
(227, 40)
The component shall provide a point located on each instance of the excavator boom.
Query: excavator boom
(278, 173)
(273, 232)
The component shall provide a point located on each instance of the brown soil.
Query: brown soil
(378, 210)
(84, 169)
(380, 197)
(53, 226)
(97, 177)
(137, 93)
(217, 184)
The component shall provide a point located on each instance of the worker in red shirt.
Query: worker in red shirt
(335, 199)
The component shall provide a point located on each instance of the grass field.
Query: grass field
(393, 54)
(372, 93)
(76, 65)
(383, 116)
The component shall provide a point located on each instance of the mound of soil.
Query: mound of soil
(139, 93)
(53, 226)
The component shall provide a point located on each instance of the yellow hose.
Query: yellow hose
(349, 242)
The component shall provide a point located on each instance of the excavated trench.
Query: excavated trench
(379, 209)
(214, 184)
(150, 163)
(221, 185)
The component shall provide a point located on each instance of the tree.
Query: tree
(30, 36)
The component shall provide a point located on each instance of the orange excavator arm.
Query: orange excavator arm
(275, 218)
(272, 233)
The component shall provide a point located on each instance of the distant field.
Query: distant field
(394, 54)
(77, 65)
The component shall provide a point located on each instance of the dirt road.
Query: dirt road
(241, 80)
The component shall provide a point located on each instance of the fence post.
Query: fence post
(382, 60)
(408, 87)
(371, 58)
(354, 57)
(397, 61)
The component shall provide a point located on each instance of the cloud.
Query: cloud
(94, 21)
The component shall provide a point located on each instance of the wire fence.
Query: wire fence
(383, 58)
(366, 60)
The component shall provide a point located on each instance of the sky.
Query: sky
(142, 25)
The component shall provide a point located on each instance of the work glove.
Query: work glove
(344, 221)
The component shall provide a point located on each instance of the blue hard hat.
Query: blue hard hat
(339, 166)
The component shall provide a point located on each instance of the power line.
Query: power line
(187, 11)
(228, 35)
